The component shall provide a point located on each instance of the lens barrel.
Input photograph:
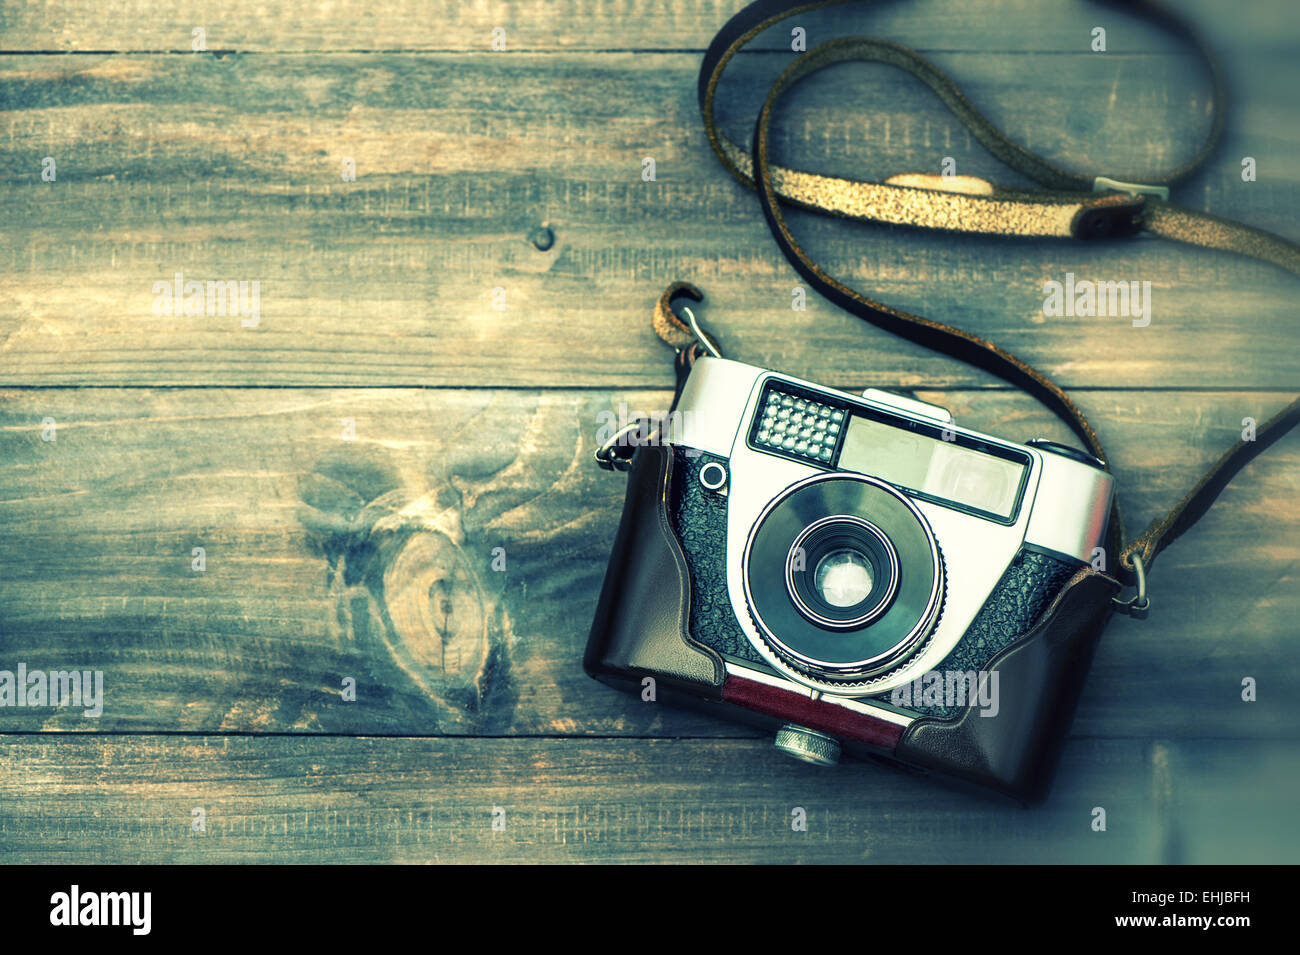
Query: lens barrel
(843, 577)
(834, 559)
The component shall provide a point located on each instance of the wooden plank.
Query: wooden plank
(329, 557)
(314, 799)
(1216, 802)
(372, 558)
(230, 169)
(441, 25)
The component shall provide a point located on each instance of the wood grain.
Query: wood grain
(373, 558)
(563, 26)
(330, 557)
(229, 169)
(403, 800)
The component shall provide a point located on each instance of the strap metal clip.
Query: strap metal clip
(1106, 184)
(608, 456)
(1139, 603)
(705, 341)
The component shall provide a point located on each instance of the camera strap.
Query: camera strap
(1071, 205)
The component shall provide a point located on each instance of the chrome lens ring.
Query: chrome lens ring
(891, 629)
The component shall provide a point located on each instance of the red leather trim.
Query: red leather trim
(830, 718)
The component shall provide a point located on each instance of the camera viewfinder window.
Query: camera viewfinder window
(932, 467)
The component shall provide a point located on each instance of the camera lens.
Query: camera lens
(841, 572)
(843, 578)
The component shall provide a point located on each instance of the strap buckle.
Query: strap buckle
(1139, 603)
(1106, 184)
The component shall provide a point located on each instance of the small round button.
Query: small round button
(808, 745)
(713, 476)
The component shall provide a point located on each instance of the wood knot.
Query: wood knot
(542, 238)
(407, 592)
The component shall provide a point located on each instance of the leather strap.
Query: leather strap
(1165, 530)
(1069, 206)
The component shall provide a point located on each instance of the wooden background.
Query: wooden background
(371, 558)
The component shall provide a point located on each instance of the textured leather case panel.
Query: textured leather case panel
(1041, 678)
(700, 519)
(1027, 587)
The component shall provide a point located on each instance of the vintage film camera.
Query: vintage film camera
(858, 573)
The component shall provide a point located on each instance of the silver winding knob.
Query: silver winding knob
(808, 745)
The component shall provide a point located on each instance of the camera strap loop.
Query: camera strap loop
(1069, 205)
